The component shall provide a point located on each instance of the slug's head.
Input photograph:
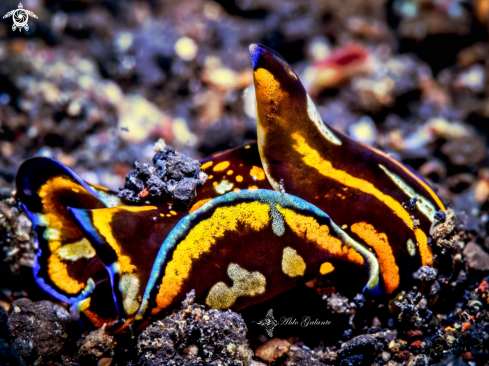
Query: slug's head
(279, 94)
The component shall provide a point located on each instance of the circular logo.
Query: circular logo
(20, 18)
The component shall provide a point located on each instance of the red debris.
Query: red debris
(416, 344)
(144, 193)
(415, 333)
(483, 286)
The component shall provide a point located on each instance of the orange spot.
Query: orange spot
(199, 204)
(312, 158)
(144, 193)
(387, 262)
(221, 166)
(211, 176)
(326, 268)
(252, 187)
(206, 165)
(257, 172)
(214, 184)
(236, 189)
(230, 172)
(239, 178)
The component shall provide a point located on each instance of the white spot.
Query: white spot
(223, 77)
(422, 203)
(75, 251)
(316, 118)
(411, 247)
(43, 220)
(186, 48)
(51, 234)
(109, 200)
(182, 133)
(223, 187)
(364, 131)
(129, 287)
(244, 284)
(277, 222)
(293, 264)
(124, 41)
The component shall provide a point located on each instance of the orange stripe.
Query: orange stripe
(312, 158)
(380, 243)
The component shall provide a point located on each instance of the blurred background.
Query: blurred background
(95, 83)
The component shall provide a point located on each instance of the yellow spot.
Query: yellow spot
(76, 190)
(206, 165)
(199, 204)
(173, 212)
(292, 263)
(244, 284)
(215, 184)
(380, 243)
(252, 187)
(201, 238)
(76, 251)
(257, 173)
(239, 178)
(168, 215)
(312, 158)
(326, 268)
(162, 215)
(230, 172)
(83, 304)
(344, 226)
(236, 189)
(247, 147)
(310, 230)
(221, 166)
(210, 176)
(102, 219)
